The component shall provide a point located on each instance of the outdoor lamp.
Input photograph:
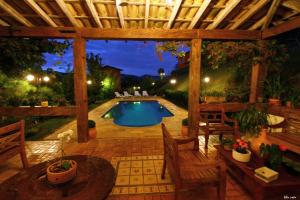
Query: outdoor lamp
(89, 82)
(30, 77)
(46, 79)
(173, 81)
(206, 79)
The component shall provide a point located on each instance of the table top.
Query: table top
(94, 180)
(248, 168)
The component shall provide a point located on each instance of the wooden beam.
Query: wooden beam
(230, 34)
(3, 23)
(64, 8)
(254, 9)
(199, 13)
(285, 27)
(5, 6)
(80, 88)
(40, 12)
(223, 14)
(258, 24)
(254, 82)
(147, 10)
(174, 13)
(292, 4)
(194, 87)
(271, 13)
(94, 12)
(120, 13)
(38, 111)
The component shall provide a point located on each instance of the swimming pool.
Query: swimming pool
(137, 113)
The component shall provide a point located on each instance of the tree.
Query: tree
(161, 73)
(19, 54)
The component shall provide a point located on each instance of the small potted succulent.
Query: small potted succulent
(272, 154)
(227, 144)
(63, 170)
(92, 129)
(184, 127)
(240, 151)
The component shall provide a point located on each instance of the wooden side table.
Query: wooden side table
(95, 180)
(285, 185)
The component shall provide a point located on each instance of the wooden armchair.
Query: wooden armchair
(214, 122)
(189, 168)
(12, 142)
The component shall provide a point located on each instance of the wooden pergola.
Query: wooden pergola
(143, 20)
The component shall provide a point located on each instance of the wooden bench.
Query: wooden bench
(215, 122)
(189, 168)
(12, 142)
(290, 134)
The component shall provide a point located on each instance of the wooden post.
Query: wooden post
(194, 87)
(254, 82)
(80, 87)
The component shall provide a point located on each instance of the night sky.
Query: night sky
(133, 57)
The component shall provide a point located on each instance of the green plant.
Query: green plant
(273, 87)
(227, 141)
(293, 95)
(91, 123)
(185, 122)
(272, 154)
(251, 121)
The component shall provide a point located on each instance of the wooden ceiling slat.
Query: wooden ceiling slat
(40, 12)
(174, 13)
(258, 23)
(275, 4)
(92, 10)
(254, 9)
(67, 12)
(223, 13)
(147, 10)
(292, 4)
(199, 13)
(5, 6)
(3, 23)
(120, 13)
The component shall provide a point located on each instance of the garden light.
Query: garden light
(46, 79)
(89, 82)
(173, 81)
(29, 77)
(153, 83)
(206, 79)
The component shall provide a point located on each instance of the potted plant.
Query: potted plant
(293, 98)
(184, 127)
(273, 89)
(227, 144)
(253, 123)
(63, 170)
(92, 129)
(214, 97)
(272, 154)
(240, 151)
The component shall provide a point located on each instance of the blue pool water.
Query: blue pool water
(137, 113)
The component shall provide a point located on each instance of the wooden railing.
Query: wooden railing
(38, 111)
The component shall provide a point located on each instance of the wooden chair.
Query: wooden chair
(189, 168)
(215, 121)
(12, 142)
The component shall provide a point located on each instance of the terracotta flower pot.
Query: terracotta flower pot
(274, 102)
(92, 133)
(241, 157)
(184, 130)
(63, 176)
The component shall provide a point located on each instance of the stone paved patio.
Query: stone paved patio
(115, 141)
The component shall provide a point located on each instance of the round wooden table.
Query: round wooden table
(95, 179)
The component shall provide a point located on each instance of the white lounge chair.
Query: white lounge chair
(126, 94)
(145, 93)
(137, 94)
(118, 95)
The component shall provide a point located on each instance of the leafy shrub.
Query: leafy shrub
(91, 123)
(177, 97)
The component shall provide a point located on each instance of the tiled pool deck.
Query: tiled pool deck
(118, 144)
